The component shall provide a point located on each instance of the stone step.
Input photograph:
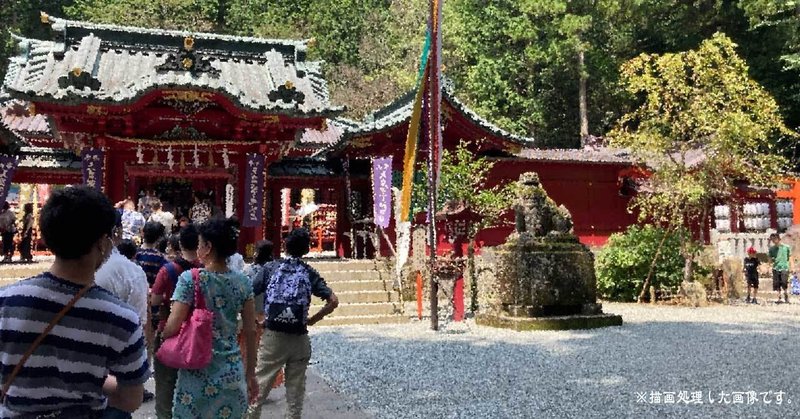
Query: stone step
(360, 275)
(347, 265)
(363, 285)
(351, 320)
(359, 309)
(349, 297)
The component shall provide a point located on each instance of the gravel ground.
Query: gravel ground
(469, 371)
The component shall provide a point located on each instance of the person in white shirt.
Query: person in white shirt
(236, 262)
(128, 282)
(162, 217)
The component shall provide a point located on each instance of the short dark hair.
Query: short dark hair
(127, 248)
(774, 236)
(174, 243)
(263, 252)
(298, 242)
(223, 234)
(6, 205)
(74, 219)
(161, 244)
(152, 231)
(188, 238)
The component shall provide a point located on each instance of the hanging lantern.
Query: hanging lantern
(182, 164)
(196, 157)
(155, 156)
(139, 154)
(210, 158)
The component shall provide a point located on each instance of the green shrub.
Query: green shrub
(622, 265)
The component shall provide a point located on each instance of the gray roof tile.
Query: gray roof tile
(125, 62)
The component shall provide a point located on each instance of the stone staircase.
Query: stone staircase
(364, 288)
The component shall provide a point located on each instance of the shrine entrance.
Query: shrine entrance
(308, 194)
(177, 192)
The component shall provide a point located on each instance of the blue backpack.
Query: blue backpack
(795, 285)
(288, 297)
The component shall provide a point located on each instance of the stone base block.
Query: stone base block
(549, 323)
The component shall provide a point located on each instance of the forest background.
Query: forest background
(523, 64)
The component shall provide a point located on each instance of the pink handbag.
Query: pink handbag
(191, 347)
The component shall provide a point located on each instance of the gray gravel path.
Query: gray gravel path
(407, 371)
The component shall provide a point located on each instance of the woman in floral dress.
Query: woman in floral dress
(223, 389)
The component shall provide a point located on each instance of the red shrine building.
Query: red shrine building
(248, 123)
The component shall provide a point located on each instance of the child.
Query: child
(751, 264)
(781, 265)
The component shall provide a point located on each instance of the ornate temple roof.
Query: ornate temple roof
(107, 64)
(399, 112)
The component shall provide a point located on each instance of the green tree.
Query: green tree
(21, 17)
(702, 124)
(625, 262)
(193, 15)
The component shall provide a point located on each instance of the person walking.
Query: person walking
(781, 265)
(148, 257)
(26, 233)
(163, 217)
(8, 229)
(104, 360)
(132, 220)
(751, 264)
(128, 282)
(222, 389)
(160, 296)
(288, 285)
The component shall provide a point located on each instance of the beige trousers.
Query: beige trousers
(282, 350)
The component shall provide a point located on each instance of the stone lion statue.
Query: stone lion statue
(536, 213)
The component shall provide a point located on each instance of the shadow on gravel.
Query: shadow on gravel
(582, 374)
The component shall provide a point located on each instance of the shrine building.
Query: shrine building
(248, 122)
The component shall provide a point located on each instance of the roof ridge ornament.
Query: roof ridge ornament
(287, 92)
(79, 79)
(187, 59)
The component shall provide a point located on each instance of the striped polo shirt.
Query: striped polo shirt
(151, 261)
(100, 335)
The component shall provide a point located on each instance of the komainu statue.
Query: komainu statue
(536, 213)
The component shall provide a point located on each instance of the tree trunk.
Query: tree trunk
(646, 284)
(582, 105)
(688, 267)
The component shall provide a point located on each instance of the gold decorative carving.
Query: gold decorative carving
(188, 95)
(187, 63)
(44, 18)
(271, 119)
(32, 109)
(77, 71)
(361, 142)
(289, 85)
(188, 43)
(96, 110)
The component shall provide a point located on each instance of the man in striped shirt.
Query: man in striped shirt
(95, 356)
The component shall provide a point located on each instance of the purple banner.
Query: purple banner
(92, 164)
(8, 165)
(382, 190)
(254, 191)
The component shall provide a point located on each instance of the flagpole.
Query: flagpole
(434, 148)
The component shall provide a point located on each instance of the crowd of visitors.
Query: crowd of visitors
(10, 227)
(80, 340)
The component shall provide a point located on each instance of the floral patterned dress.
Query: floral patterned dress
(219, 390)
